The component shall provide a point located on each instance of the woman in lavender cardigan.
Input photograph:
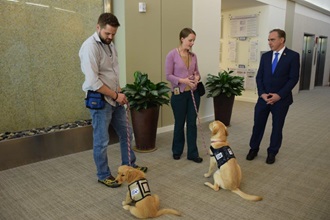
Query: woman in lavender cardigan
(182, 72)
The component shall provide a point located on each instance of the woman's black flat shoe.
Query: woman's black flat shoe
(176, 157)
(197, 159)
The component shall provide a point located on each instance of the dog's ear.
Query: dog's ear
(223, 129)
(133, 174)
(215, 128)
(226, 131)
(128, 175)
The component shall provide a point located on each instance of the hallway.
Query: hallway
(295, 187)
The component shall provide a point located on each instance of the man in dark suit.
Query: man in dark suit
(277, 75)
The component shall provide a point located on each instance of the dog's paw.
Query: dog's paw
(126, 207)
(207, 175)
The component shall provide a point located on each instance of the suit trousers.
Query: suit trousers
(261, 113)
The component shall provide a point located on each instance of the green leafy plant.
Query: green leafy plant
(224, 83)
(143, 93)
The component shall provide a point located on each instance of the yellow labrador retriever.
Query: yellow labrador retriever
(229, 175)
(146, 205)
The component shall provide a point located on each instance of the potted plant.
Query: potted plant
(223, 88)
(145, 99)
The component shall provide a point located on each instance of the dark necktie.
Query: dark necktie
(275, 62)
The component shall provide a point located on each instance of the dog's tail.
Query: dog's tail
(246, 196)
(167, 211)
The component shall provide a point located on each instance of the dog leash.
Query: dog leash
(199, 122)
(128, 135)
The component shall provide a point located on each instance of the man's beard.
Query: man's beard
(105, 41)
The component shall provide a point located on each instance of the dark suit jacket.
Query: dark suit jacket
(285, 77)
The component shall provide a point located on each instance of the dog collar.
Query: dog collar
(139, 190)
(216, 140)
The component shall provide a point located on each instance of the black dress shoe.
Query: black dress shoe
(197, 159)
(176, 156)
(252, 154)
(270, 159)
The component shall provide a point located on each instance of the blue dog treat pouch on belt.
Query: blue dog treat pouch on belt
(94, 100)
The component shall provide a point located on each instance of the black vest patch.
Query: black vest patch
(222, 155)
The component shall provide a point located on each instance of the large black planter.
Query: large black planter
(223, 107)
(145, 124)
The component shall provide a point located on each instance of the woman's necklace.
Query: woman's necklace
(185, 59)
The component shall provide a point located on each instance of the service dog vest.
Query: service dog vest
(222, 155)
(139, 190)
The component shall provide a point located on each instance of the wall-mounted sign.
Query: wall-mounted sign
(244, 26)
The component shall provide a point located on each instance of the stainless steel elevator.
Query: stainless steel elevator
(307, 61)
(321, 53)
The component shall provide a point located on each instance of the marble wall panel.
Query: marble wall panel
(40, 75)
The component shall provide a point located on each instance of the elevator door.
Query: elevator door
(307, 59)
(320, 61)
